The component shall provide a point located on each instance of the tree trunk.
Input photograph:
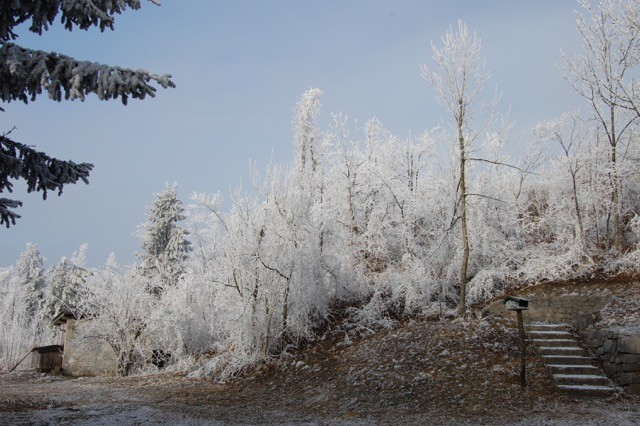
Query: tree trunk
(462, 307)
(577, 207)
(615, 200)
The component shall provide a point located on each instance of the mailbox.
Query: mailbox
(516, 303)
(519, 304)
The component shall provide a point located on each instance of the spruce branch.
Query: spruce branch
(26, 73)
(41, 172)
(81, 14)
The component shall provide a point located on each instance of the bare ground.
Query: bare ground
(422, 372)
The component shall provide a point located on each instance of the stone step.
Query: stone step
(555, 334)
(561, 350)
(586, 391)
(565, 360)
(546, 327)
(582, 379)
(565, 343)
(573, 369)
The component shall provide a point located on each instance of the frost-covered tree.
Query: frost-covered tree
(458, 78)
(619, 22)
(603, 76)
(306, 132)
(23, 325)
(116, 310)
(31, 278)
(67, 285)
(569, 133)
(165, 246)
(27, 73)
(17, 332)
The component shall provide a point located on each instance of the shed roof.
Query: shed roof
(47, 349)
(63, 318)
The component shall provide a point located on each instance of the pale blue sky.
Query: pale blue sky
(240, 66)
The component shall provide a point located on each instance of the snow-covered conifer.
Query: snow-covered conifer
(165, 247)
(66, 287)
(31, 279)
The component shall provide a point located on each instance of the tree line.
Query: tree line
(365, 228)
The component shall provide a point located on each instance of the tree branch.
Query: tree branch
(473, 194)
(499, 163)
(26, 73)
(42, 13)
(41, 172)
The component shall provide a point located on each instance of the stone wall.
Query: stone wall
(618, 353)
(576, 310)
(620, 357)
(86, 357)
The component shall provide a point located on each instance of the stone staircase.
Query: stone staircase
(572, 372)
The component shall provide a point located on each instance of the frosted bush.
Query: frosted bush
(372, 317)
(484, 285)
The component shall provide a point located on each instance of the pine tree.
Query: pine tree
(164, 243)
(26, 73)
(31, 279)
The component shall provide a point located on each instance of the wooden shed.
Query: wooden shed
(47, 359)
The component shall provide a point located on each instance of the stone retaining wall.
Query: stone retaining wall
(620, 357)
(575, 310)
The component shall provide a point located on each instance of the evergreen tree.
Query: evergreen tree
(164, 243)
(65, 289)
(26, 73)
(31, 279)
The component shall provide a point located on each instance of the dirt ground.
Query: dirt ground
(422, 372)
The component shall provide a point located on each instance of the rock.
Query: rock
(633, 389)
(629, 358)
(608, 344)
(421, 377)
(629, 344)
(631, 368)
(628, 379)
(610, 369)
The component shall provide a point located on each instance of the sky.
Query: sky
(240, 67)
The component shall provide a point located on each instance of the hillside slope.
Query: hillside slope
(422, 372)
